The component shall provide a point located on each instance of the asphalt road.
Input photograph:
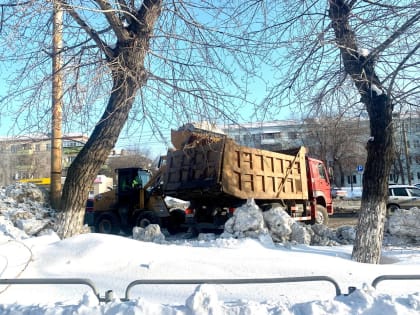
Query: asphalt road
(336, 220)
(345, 213)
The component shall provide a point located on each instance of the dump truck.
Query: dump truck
(217, 175)
(136, 201)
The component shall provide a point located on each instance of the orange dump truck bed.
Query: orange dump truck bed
(215, 166)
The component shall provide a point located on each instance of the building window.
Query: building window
(27, 146)
(351, 179)
(71, 144)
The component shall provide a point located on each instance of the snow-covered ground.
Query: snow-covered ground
(254, 246)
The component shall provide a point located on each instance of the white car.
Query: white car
(403, 197)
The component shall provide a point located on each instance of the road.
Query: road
(345, 213)
(338, 220)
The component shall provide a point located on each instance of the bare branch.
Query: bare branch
(400, 66)
(113, 20)
(409, 23)
(93, 34)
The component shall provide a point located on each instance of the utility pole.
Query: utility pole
(57, 106)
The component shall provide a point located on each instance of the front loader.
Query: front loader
(136, 201)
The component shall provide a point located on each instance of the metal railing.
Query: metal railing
(109, 294)
(394, 277)
(234, 281)
(55, 281)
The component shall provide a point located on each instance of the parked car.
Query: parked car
(403, 197)
(338, 193)
(417, 185)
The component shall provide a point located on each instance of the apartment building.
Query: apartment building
(274, 135)
(406, 169)
(26, 157)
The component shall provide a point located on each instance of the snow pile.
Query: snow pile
(204, 301)
(203, 126)
(405, 224)
(150, 233)
(248, 251)
(112, 262)
(24, 211)
(249, 221)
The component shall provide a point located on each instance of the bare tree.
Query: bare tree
(127, 158)
(339, 142)
(364, 53)
(179, 55)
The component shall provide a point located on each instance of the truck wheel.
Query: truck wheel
(177, 217)
(145, 218)
(321, 216)
(108, 223)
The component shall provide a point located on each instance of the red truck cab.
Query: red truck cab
(319, 188)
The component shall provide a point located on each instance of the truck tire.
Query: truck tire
(177, 217)
(321, 216)
(147, 217)
(107, 223)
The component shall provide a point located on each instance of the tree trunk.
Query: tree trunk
(342, 174)
(380, 146)
(380, 149)
(129, 75)
(85, 167)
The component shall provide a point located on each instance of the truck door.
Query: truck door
(319, 179)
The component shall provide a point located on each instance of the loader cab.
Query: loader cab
(130, 181)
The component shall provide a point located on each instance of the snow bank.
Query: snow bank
(24, 213)
(250, 221)
(405, 224)
(89, 256)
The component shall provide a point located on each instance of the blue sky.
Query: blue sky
(136, 133)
